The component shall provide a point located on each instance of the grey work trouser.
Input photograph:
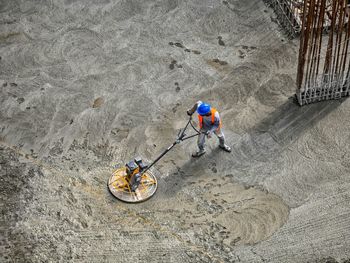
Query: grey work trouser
(201, 138)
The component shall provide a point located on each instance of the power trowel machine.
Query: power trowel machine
(135, 182)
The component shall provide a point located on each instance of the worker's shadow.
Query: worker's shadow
(193, 169)
(285, 125)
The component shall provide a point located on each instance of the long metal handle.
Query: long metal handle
(180, 137)
(182, 133)
(159, 157)
(190, 136)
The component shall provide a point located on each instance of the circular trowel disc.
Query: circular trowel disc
(119, 186)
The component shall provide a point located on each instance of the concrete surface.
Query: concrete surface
(87, 85)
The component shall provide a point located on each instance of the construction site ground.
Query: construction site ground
(87, 85)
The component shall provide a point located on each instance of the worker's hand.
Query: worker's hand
(189, 113)
(208, 133)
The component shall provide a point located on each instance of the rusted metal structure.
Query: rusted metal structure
(288, 15)
(324, 60)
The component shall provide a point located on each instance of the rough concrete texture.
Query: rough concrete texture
(86, 85)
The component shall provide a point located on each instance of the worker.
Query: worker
(209, 123)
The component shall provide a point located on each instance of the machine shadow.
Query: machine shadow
(286, 124)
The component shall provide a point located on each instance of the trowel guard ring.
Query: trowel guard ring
(118, 185)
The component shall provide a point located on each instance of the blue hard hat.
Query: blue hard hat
(203, 109)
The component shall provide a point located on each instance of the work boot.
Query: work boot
(226, 148)
(199, 153)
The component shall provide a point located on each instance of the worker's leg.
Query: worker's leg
(201, 141)
(221, 137)
(201, 145)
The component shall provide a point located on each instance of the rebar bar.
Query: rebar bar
(333, 82)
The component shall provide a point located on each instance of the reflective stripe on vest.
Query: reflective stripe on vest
(200, 118)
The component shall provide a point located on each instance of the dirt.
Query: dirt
(88, 85)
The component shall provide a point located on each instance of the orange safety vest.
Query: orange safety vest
(200, 118)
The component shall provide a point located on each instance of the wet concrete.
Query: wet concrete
(87, 85)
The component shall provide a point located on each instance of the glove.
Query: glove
(208, 133)
(189, 113)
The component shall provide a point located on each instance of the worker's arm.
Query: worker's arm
(194, 108)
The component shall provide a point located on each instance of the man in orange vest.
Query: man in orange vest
(209, 123)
